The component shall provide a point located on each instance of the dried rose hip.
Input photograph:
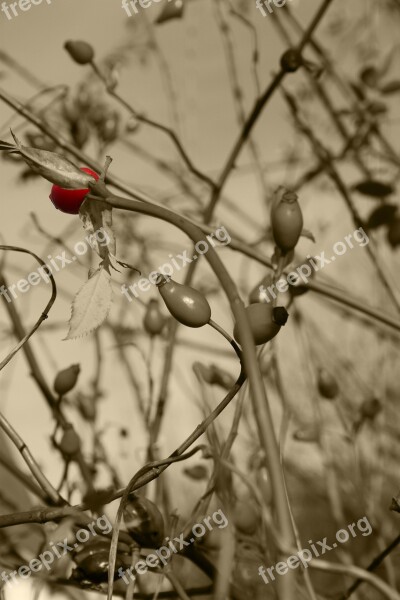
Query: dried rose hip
(186, 305)
(286, 222)
(81, 52)
(66, 380)
(265, 322)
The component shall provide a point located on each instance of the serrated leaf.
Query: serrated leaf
(308, 234)
(91, 305)
(374, 188)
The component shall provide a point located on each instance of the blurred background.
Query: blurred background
(197, 67)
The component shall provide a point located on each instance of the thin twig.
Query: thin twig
(52, 494)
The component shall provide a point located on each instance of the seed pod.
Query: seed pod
(81, 52)
(144, 522)
(185, 304)
(95, 566)
(291, 60)
(369, 75)
(286, 222)
(94, 547)
(265, 322)
(327, 385)
(70, 443)
(154, 320)
(66, 380)
(246, 517)
(87, 407)
(371, 408)
(259, 293)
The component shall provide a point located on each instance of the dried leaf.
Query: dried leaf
(372, 187)
(97, 216)
(91, 305)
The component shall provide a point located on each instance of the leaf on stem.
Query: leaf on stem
(91, 305)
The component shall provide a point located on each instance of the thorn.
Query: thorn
(107, 164)
(16, 140)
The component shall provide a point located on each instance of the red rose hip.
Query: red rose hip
(69, 201)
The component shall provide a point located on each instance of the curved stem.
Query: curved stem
(45, 312)
(259, 400)
(226, 335)
(381, 586)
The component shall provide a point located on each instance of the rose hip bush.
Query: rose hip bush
(201, 393)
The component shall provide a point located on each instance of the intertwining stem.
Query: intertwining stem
(258, 396)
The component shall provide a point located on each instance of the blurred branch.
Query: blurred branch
(52, 494)
(326, 160)
(27, 481)
(374, 564)
(156, 125)
(387, 591)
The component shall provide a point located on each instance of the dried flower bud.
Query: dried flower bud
(81, 52)
(66, 380)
